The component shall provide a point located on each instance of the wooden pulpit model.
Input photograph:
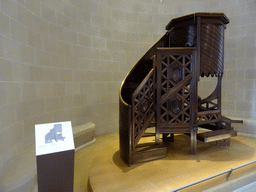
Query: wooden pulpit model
(161, 90)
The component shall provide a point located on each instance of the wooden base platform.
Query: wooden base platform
(109, 173)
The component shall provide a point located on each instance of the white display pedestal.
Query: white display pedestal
(55, 153)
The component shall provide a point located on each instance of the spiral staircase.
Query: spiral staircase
(161, 90)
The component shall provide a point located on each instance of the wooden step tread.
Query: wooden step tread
(216, 135)
(227, 120)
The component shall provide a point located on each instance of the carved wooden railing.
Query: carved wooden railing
(143, 105)
(131, 82)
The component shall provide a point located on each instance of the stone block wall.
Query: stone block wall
(64, 60)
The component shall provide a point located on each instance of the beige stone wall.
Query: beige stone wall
(64, 60)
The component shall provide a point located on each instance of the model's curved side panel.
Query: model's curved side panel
(128, 86)
(212, 49)
(140, 71)
(184, 36)
(125, 127)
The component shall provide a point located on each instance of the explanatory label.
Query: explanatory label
(53, 137)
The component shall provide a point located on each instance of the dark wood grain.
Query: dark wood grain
(161, 89)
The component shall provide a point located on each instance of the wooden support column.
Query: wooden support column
(158, 95)
(194, 91)
(219, 103)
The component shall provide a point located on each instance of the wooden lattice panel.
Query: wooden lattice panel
(207, 117)
(211, 105)
(175, 90)
(174, 93)
(143, 105)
